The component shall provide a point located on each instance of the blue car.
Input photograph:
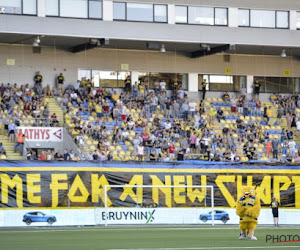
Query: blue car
(218, 215)
(30, 217)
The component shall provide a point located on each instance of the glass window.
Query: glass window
(201, 15)
(95, 9)
(168, 78)
(96, 78)
(119, 11)
(122, 76)
(71, 8)
(262, 18)
(10, 7)
(276, 84)
(244, 18)
(220, 16)
(51, 7)
(139, 12)
(298, 20)
(84, 74)
(29, 7)
(181, 14)
(160, 13)
(282, 19)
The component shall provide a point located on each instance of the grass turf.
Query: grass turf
(133, 237)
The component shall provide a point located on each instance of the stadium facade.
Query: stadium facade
(109, 40)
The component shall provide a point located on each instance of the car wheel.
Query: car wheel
(28, 221)
(50, 221)
(224, 220)
(204, 219)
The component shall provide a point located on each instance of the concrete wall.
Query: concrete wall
(67, 143)
(51, 62)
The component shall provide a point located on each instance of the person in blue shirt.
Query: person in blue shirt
(11, 131)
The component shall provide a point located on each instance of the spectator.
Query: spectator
(20, 143)
(11, 131)
(292, 148)
(203, 85)
(268, 149)
(226, 97)
(275, 144)
(256, 87)
(140, 151)
(192, 108)
(171, 150)
(185, 110)
(2, 149)
(42, 155)
(66, 155)
(38, 79)
(220, 114)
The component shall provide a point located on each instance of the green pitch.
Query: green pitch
(142, 237)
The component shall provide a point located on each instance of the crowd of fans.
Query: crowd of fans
(143, 124)
(161, 128)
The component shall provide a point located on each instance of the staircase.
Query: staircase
(9, 147)
(54, 107)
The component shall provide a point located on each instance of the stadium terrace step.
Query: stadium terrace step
(54, 107)
(9, 148)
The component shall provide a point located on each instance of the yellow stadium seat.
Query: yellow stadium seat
(112, 148)
(89, 142)
(118, 148)
(92, 147)
(131, 148)
(127, 143)
(3, 157)
(122, 152)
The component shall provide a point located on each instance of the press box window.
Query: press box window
(181, 14)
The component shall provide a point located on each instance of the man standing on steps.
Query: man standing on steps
(60, 83)
(20, 143)
(203, 84)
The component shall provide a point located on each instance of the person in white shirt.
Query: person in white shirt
(124, 134)
(181, 93)
(298, 124)
(74, 96)
(76, 84)
(292, 147)
(192, 107)
(167, 125)
(162, 85)
(131, 125)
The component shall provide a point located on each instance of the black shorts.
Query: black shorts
(275, 212)
(193, 145)
(11, 132)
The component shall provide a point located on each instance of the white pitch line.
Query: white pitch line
(209, 248)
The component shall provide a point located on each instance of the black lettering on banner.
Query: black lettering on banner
(144, 215)
(296, 237)
(111, 216)
(282, 238)
(88, 188)
(268, 237)
(132, 215)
